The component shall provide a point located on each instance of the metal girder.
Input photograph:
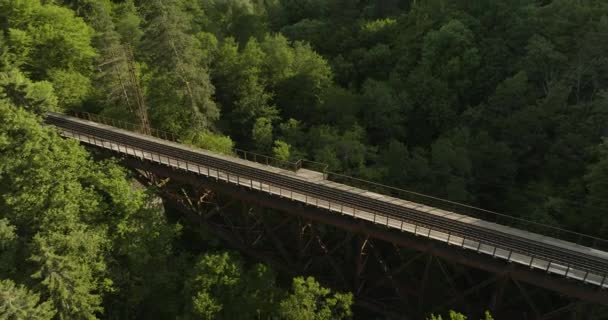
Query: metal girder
(498, 294)
(361, 261)
(528, 299)
(387, 272)
(278, 245)
(402, 267)
(423, 282)
(402, 239)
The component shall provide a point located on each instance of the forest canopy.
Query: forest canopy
(501, 105)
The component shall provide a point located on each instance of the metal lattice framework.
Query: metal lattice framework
(378, 220)
(399, 277)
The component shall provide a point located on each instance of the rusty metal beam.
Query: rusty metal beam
(528, 299)
(342, 243)
(479, 286)
(497, 297)
(558, 313)
(277, 244)
(330, 260)
(425, 277)
(402, 267)
(360, 263)
(399, 290)
(447, 277)
(469, 258)
(227, 237)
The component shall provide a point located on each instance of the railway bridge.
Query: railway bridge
(401, 253)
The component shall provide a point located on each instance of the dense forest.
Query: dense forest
(498, 104)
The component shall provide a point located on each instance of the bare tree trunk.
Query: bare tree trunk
(121, 81)
(141, 109)
(181, 72)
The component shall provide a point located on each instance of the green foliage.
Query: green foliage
(254, 80)
(48, 42)
(382, 110)
(70, 279)
(281, 150)
(70, 87)
(37, 97)
(502, 105)
(379, 25)
(339, 107)
(8, 248)
(459, 316)
(142, 267)
(509, 96)
(241, 87)
(53, 36)
(210, 141)
(262, 134)
(239, 19)
(343, 151)
(298, 94)
(66, 210)
(180, 90)
(221, 287)
(450, 54)
(127, 22)
(17, 302)
(309, 30)
(52, 216)
(310, 301)
(597, 185)
(451, 166)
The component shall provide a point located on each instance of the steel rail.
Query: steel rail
(508, 242)
(436, 225)
(447, 205)
(486, 215)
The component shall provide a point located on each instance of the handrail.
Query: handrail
(314, 165)
(487, 215)
(190, 166)
(161, 134)
(264, 159)
(167, 135)
(456, 207)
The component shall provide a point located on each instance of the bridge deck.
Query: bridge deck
(514, 245)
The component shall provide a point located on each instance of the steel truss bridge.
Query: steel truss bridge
(401, 253)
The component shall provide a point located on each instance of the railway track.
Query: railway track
(537, 250)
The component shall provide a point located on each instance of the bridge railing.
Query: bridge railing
(267, 185)
(269, 161)
(487, 215)
(471, 211)
(314, 166)
(161, 134)
(166, 135)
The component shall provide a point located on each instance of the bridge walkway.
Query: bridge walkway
(545, 253)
